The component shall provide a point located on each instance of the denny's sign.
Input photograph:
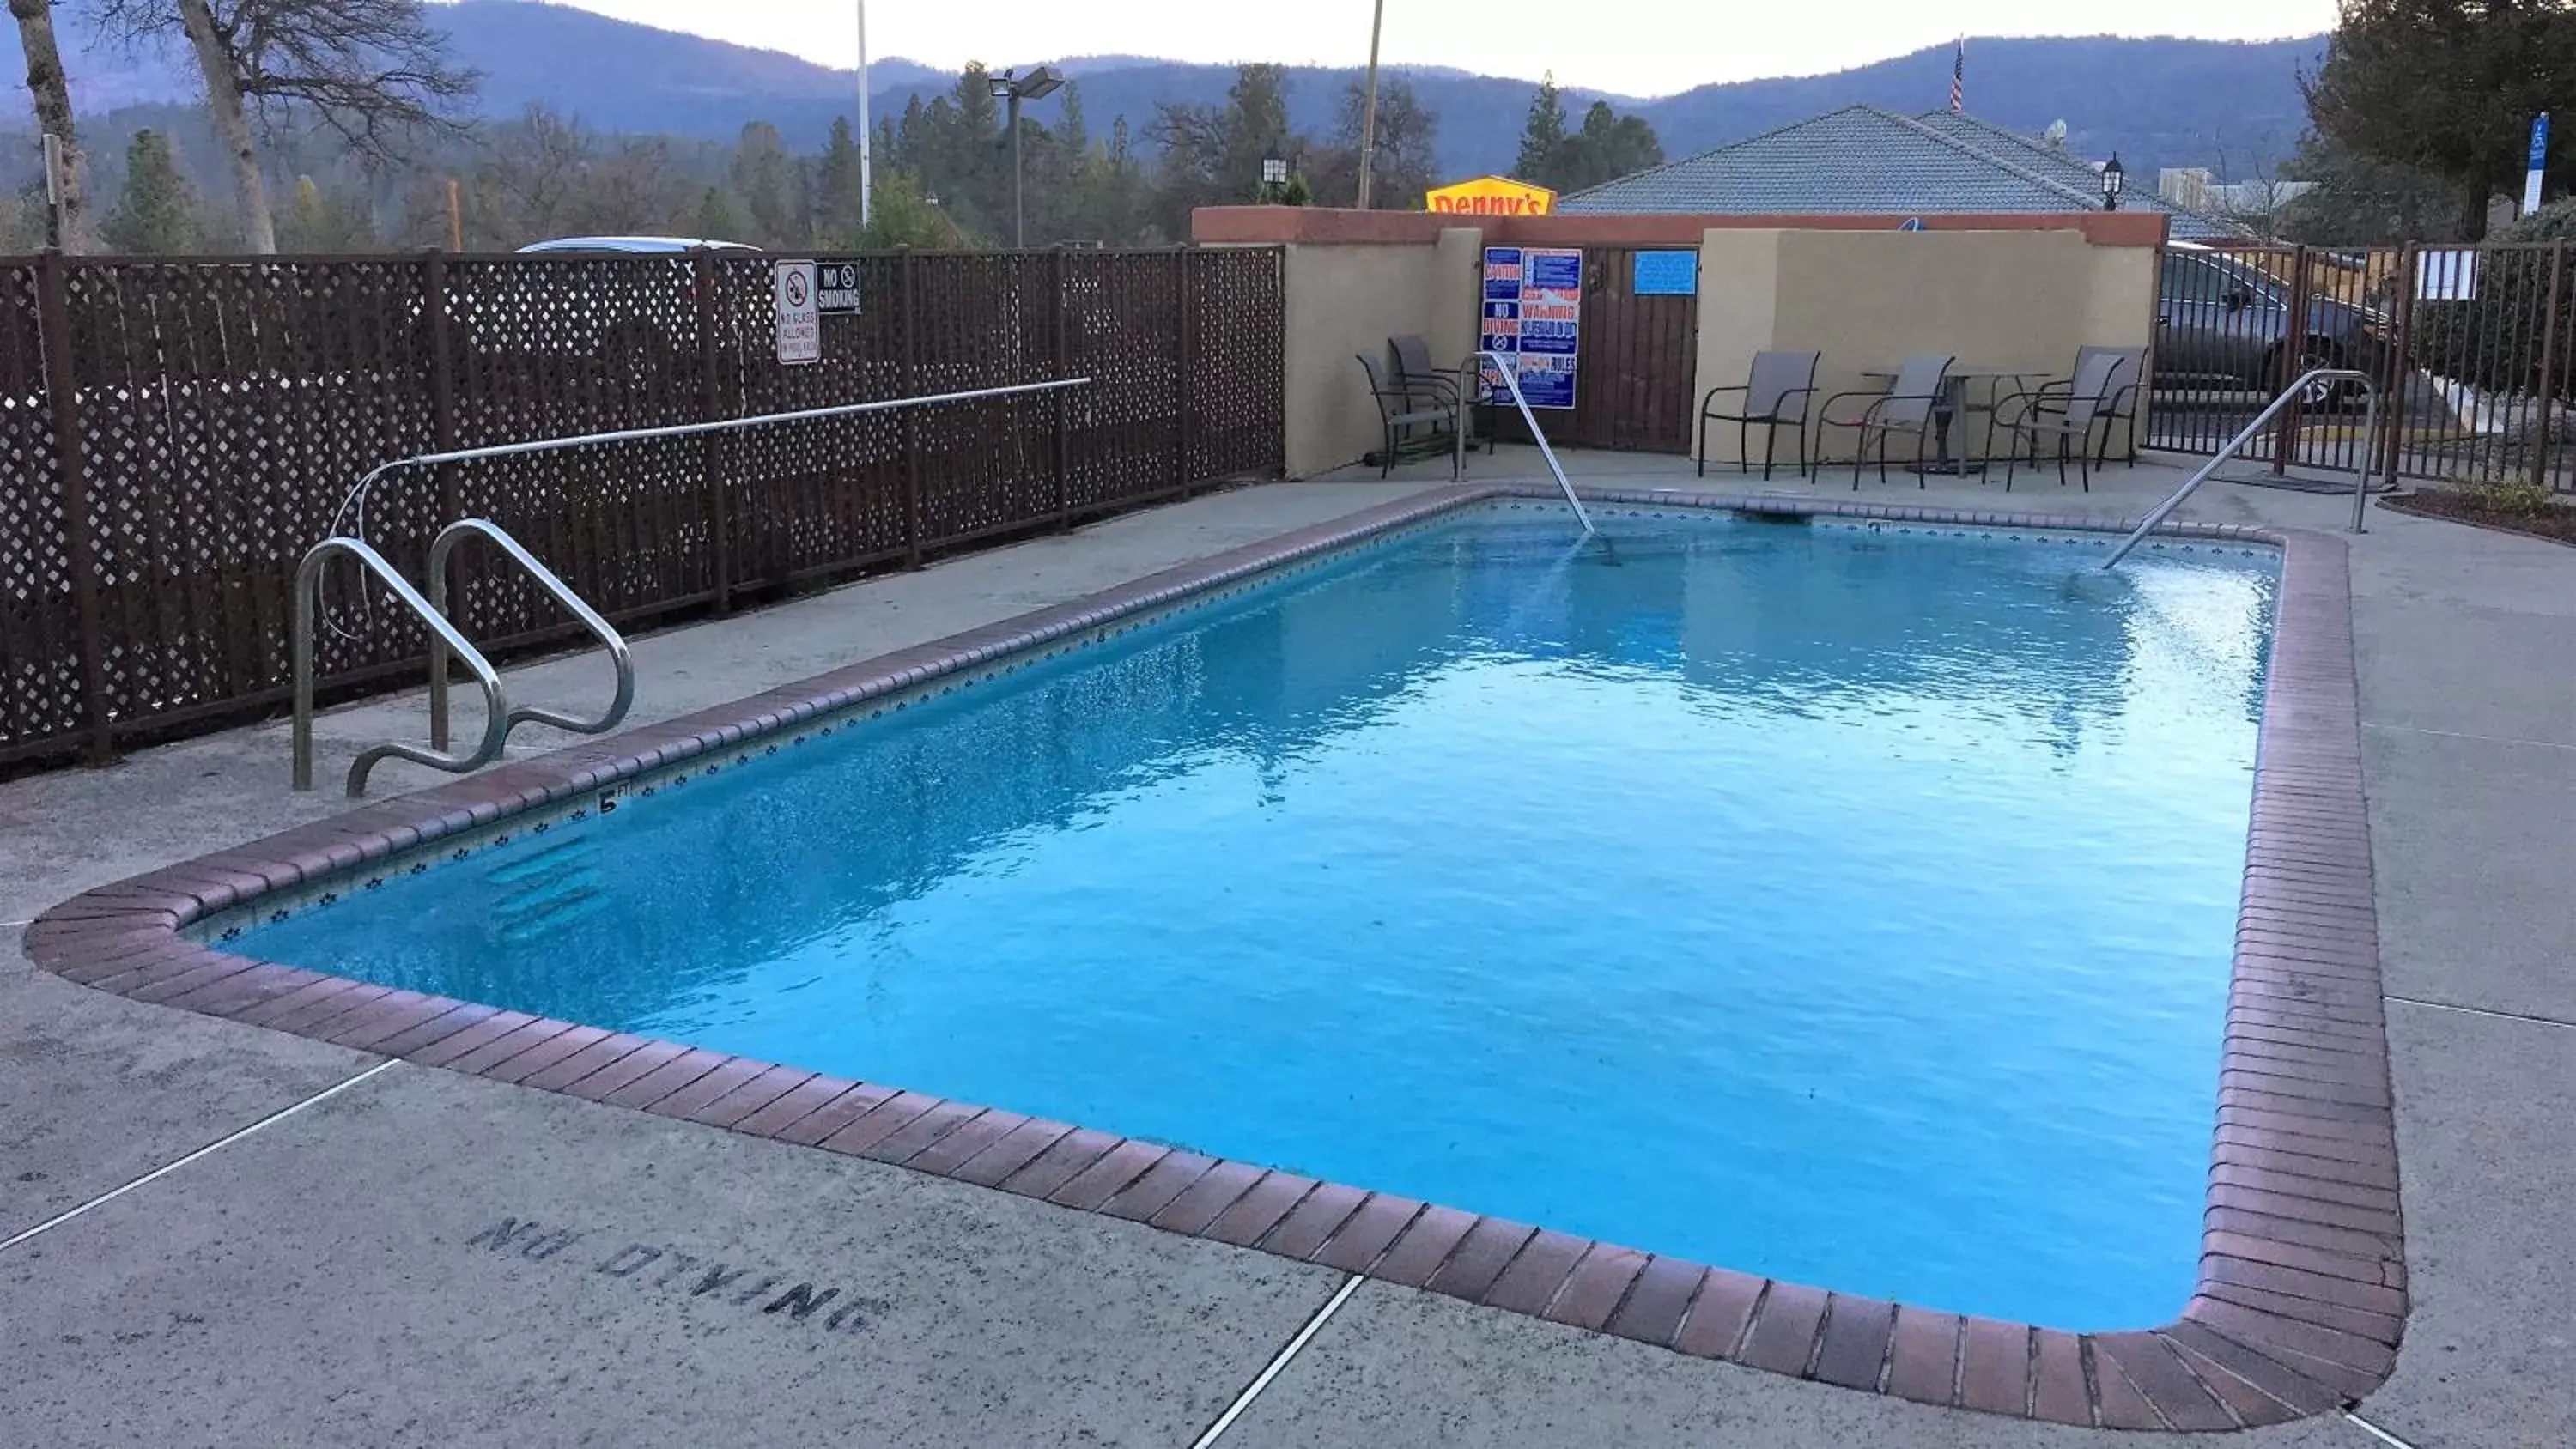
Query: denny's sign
(1492, 196)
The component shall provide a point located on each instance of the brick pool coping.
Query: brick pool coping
(2301, 1297)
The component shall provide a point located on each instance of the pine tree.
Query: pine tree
(717, 220)
(836, 190)
(1543, 138)
(155, 214)
(766, 179)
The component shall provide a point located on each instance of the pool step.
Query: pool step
(548, 890)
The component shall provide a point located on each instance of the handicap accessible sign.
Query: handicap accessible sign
(1534, 313)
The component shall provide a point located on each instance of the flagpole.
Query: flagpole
(867, 188)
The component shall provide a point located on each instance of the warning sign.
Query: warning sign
(800, 319)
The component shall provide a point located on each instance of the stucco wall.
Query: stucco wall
(2020, 300)
(1347, 298)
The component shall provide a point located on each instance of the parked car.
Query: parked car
(2223, 322)
(635, 245)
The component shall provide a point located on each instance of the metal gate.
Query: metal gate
(2471, 346)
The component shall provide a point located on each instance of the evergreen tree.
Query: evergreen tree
(768, 181)
(717, 219)
(1608, 147)
(155, 214)
(837, 190)
(2446, 88)
(1544, 134)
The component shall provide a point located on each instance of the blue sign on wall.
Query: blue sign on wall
(1665, 274)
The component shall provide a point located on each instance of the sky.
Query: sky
(1630, 47)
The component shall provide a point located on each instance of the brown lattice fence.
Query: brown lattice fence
(175, 435)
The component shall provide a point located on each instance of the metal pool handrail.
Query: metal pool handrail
(439, 551)
(1512, 380)
(308, 592)
(716, 425)
(2360, 484)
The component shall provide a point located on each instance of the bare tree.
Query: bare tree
(2255, 192)
(374, 72)
(52, 94)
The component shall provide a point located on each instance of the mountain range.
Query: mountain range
(2154, 101)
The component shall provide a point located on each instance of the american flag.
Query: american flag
(1959, 76)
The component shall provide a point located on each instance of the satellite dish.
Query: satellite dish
(1911, 223)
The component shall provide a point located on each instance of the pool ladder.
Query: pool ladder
(447, 643)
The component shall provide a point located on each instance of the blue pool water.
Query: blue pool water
(1852, 907)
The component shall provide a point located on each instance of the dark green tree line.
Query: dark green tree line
(1605, 147)
(2446, 89)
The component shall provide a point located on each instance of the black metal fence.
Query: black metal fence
(2474, 350)
(176, 434)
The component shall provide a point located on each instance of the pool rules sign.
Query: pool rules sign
(800, 312)
(1534, 314)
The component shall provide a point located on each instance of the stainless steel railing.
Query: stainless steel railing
(2360, 485)
(308, 594)
(439, 551)
(1510, 371)
(447, 642)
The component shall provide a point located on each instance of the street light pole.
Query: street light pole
(867, 187)
(1013, 87)
(1368, 110)
(1019, 216)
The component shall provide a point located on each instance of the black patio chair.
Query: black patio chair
(1399, 414)
(1912, 405)
(2069, 411)
(1777, 377)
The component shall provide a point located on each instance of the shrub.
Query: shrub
(2509, 497)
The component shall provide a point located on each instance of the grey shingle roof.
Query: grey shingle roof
(1862, 159)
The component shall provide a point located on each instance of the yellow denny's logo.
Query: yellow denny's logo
(1492, 196)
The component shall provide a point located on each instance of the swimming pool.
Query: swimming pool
(1843, 902)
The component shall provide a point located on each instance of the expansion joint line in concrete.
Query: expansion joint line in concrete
(2482, 1011)
(165, 1169)
(2376, 1432)
(1270, 1371)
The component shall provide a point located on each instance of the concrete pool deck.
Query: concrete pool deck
(322, 1277)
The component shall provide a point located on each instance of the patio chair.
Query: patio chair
(1776, 379)
(1398, 414)
(1429, 385)
(2121, 407)
(2069, 411)
(1912, 405)
(1415, 374)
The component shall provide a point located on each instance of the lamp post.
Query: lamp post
(1274, 177)
(1014, 88)
(2112, 177)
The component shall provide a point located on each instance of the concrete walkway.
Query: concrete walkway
(425, 1258)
